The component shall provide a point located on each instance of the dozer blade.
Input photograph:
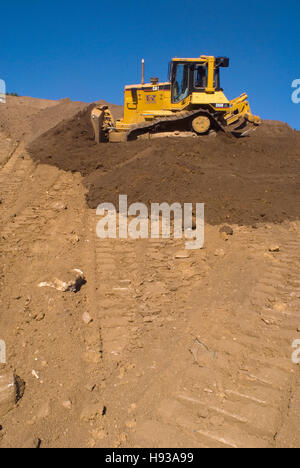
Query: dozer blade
(243, 129)
(97, 117)
(102, 121)
(240, 121)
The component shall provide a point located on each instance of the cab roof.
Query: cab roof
(220, 61)
(198, 59)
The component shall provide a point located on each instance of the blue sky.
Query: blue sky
(89, 50)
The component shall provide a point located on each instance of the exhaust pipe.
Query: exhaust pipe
(143, 71)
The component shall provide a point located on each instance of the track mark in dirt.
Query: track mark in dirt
(180, 352)
(237, 391)
(7, 149)
(21, 184)
(130, 287)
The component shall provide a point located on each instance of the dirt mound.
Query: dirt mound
(116, 110)
(50, 117)
(16, 115)
(243, 181)
(71, 147)
(274, 128)
(66, 110)
(27, 118)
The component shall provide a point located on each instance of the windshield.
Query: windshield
(180, 88)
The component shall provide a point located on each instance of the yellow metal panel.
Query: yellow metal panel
(196, 60)
(147, 85)
(182, 104)
(149, 99)
(157, 113)
(203, 98)
(211, 74)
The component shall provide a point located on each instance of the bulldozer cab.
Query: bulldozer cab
(195, 75)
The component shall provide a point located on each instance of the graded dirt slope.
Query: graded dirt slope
(23, 119)
(156, 349)
(20, 114)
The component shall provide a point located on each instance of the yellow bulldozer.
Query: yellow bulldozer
(191, 102)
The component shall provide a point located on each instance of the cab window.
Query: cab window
(180, 88)
(201, 77)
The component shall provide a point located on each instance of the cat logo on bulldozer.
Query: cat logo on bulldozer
(151, 98)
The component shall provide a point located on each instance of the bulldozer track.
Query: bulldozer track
(144, 127)
(237, 129)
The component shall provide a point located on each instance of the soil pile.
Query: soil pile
(271, 128)
(27, 118)
(243, 181)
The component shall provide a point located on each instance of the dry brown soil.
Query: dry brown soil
(153, 351)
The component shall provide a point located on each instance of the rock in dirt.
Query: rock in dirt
(74, 239)
(92, 411)
(67, 405)
(203, 413)
(87, 318)
(32, 443)
(182, 255)
(58, 206)
(226, 230)
(35, 374)
(72, 282)
(274, 248)
(280, 307)
(8, 393)
(219, 253)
